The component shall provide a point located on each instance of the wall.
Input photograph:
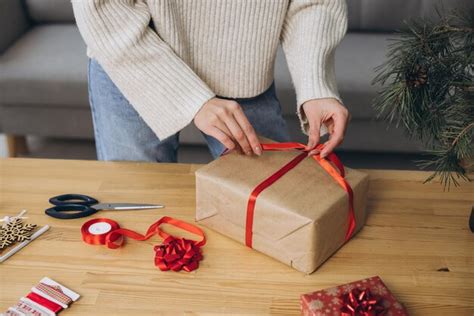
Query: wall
(3, 146)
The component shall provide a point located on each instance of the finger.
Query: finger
(238, 134)
(248, 131)
(314, 152)
(337, 136)
(223, 128)
(222, 137)
(313, 134)
(348, 119)
(329, 126)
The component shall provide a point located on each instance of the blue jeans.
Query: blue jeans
(121, 134)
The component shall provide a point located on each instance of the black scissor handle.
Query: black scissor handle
(70, 211)
(77, 199)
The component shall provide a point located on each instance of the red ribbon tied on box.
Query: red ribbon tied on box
(337, 174)
(361, 303)
(173, 254)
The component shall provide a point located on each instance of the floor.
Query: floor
(84, 149)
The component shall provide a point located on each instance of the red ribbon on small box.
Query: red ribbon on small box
(367, 297)
(337, 174)
(361, 303)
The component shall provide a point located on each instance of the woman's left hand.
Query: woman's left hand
(331, 113)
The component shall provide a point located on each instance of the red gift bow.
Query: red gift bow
(174, 253)
(361, 303)
(325, 163)
(178, 253)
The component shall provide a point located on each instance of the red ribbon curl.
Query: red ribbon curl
(337, 174)
(361, 303)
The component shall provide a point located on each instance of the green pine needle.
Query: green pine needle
(427, 87)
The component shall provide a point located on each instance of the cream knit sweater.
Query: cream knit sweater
(168, 57)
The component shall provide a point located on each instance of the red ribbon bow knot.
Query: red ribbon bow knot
(361, 303)
(178, 253)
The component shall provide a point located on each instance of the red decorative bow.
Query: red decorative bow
(361, 303)
(174, 253)
(178, 253)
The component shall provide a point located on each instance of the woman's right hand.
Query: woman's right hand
(226, 121)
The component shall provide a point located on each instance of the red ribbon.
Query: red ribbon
(178, 253)
(174, 253)
(52, 306)
(337, 174)
(361, 303)
(97, 239)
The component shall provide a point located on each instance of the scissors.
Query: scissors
(69, 206)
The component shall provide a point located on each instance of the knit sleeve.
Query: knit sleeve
(311, 32)
(161, 87)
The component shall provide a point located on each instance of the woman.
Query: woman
(157, 65)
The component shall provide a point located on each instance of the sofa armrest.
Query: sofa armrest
(13, 22)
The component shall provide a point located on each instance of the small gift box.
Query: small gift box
(292, 207)
(368, 297)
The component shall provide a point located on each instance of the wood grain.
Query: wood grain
(413, 231)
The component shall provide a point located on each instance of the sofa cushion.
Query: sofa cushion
(50, 11)
(356, 57)
(13, 22)
(48, 65)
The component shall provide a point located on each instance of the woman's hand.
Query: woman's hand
(225, 121)
(330, 113)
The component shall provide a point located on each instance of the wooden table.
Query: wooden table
(416, 238)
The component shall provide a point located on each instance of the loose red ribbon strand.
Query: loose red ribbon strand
(174, 253)
(152, 230)
(323, 162)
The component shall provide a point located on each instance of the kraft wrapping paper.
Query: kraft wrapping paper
(299, 220)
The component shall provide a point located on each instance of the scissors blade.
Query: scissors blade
(126, 206)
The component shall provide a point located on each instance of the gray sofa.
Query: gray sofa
(43, 72)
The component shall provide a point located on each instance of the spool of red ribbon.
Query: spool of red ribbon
(95, 231)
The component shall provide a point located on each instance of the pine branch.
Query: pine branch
(427, 87)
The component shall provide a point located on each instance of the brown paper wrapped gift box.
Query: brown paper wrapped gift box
(300, 220)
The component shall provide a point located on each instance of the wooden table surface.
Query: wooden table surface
(416, 238)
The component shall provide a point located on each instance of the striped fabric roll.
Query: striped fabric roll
(54, 292)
